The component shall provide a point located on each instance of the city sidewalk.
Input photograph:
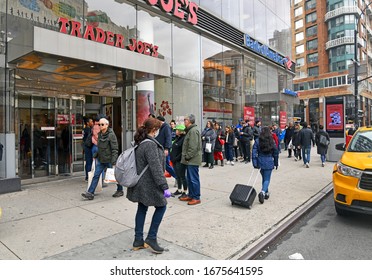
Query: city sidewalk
(52, 221)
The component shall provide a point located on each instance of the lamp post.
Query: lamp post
(356, 68)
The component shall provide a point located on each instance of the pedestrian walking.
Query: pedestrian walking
(305, 138)
(152, 188)
(192, 156)
(322, 141)
(107, 154)
(265, 156)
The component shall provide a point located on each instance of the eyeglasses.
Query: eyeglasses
(101, 124)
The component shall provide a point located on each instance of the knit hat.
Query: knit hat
(180, 127)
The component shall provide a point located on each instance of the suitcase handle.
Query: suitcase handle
(255, 179)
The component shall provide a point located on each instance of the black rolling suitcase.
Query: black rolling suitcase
(244, 195)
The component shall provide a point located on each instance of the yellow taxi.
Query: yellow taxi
(352, 175)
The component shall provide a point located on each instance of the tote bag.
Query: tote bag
(208, 147)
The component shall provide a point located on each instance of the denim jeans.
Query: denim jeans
(323, 158)
(229, 152)
(266, 176)
(157, 217)
(306, 154)
(193, 181)
(180, 170)
(88, 160)
(99, 169)
(169, 168)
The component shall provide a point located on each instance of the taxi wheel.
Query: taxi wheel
(340, 211)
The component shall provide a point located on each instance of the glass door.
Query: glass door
(77, 124)
(64, 136)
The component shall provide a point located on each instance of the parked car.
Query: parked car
(352, 175)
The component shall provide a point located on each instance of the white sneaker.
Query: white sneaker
(227, 162)
(323, 164)
(296, 159)
(307, 165)
(232, 163)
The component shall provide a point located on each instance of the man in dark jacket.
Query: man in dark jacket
(192, 157)
(108, 152)
(246, 135)
(165, 139)
(288, 137)
(305, 137)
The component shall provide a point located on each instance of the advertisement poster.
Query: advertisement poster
(335, 117)
(282, 119)
(249, 114)
(145, 105)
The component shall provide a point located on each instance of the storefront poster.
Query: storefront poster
(282, 119)
(335, 117)
(249, 114)
(145, 105)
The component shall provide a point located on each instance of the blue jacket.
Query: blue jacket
(264, 160)
(165, 136)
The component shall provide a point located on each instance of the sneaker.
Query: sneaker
(228, 162)
(118, 194)
(307, 165)
(296, 159)
(261, 197)
(206, 165)
(139, 244)
(323, 164)
(267, 195)
(88, 195)
(183, 195)
(232, 163)
(177, 192)
(154, 246)
(211, 167)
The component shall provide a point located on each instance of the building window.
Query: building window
(299, 23)
(297, 1)
(312, 58)
(300, 49)
(313, 71)
(312, 45)
(311, 17)
(298, 11)
(311, 31)
(300, 62)
(299, 36)
(310, 4)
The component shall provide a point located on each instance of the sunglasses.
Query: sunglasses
(101, 124)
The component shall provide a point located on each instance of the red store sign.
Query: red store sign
(99, 35)
(174, 7)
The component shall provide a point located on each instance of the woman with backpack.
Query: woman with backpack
(322, 142)
(152, 188)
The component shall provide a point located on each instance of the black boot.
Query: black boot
(139, 244)
(154, 246)
(205, 165)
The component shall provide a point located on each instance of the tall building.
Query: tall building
(221, 60)
(323, 48)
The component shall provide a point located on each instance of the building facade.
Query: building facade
(221, 60)
(324, 51)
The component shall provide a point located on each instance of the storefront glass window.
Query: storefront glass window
(247, 20)
(272, 79)
(260, 22)
(262, 78)
(231, 12)
(186, 54)
(213, 6)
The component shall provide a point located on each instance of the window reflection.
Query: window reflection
(213, 6)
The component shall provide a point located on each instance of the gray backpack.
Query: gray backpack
(126, 169)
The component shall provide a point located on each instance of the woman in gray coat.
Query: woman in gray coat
(152, 188)
(208, 136)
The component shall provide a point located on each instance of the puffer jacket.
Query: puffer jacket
(108, 148)
(264, 160)
(150, 188)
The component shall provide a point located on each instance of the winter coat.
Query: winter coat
(305, 137)
(295, 138)
(165, 136)
(176, 152)
(321, 150)
(256, 131)
(192, 146)
(217, 145)
(230, 139)
(108, 148)
(209, 137)
(247, 134)
(150, 188)
(288, 135)
(264, 160)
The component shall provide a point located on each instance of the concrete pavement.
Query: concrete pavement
(52, 221)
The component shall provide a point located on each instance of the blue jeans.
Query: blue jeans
(266, 176)
(229, 152)
(88, 160)
(157, 217)
(193, 181)
(99, 169)
(169, 168)
(306, 154)
(323, 158)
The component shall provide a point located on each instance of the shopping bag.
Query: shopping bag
(208, 147)
(290, 145)
(110, 176)
(90, 178)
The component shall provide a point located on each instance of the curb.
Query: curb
(287, 223)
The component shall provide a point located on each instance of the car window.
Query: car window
(361, 142)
